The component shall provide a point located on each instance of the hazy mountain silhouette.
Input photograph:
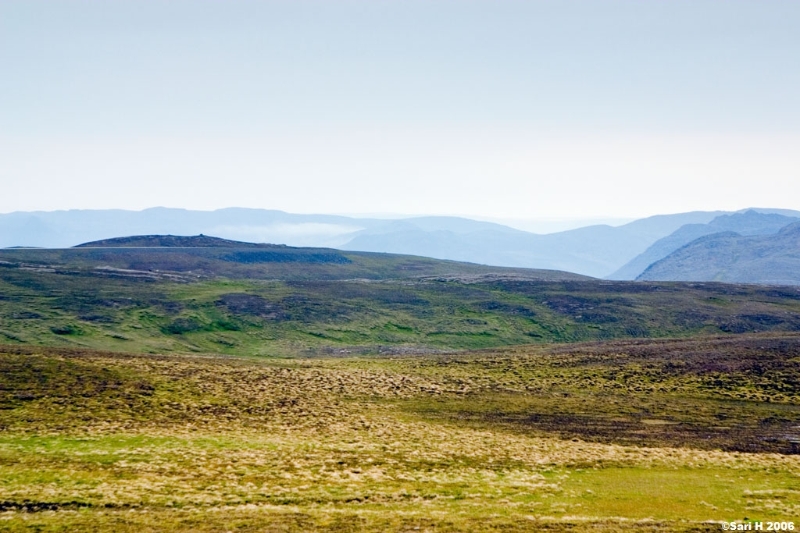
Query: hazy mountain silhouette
(592, 250)
(750, 222)
(730, 257)
(597, 250)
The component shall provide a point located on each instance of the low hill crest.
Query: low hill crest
(174, 241)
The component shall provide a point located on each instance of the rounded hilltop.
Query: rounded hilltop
(171, 241)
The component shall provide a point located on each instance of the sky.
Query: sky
(498, 109)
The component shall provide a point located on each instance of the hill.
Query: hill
(172, 241)
(750, 222)
(204, 257)
(244, 298)
(730, 257)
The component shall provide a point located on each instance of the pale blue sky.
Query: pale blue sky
(487, 108)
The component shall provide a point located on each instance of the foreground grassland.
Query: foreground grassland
(634, 435)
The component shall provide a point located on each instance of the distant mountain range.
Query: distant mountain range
(734, 258)
(592, 250)
(750, 222)
(621, 252)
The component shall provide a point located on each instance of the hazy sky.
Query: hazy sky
(529, 109)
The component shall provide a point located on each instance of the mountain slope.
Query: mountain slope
(750, 222)
(729, 257)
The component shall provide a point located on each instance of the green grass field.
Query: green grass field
(286, 318)
(627, 435)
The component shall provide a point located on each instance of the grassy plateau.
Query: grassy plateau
(142, 399)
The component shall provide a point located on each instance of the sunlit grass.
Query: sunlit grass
(121, 443)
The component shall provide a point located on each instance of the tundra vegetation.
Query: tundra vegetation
(133, 402)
